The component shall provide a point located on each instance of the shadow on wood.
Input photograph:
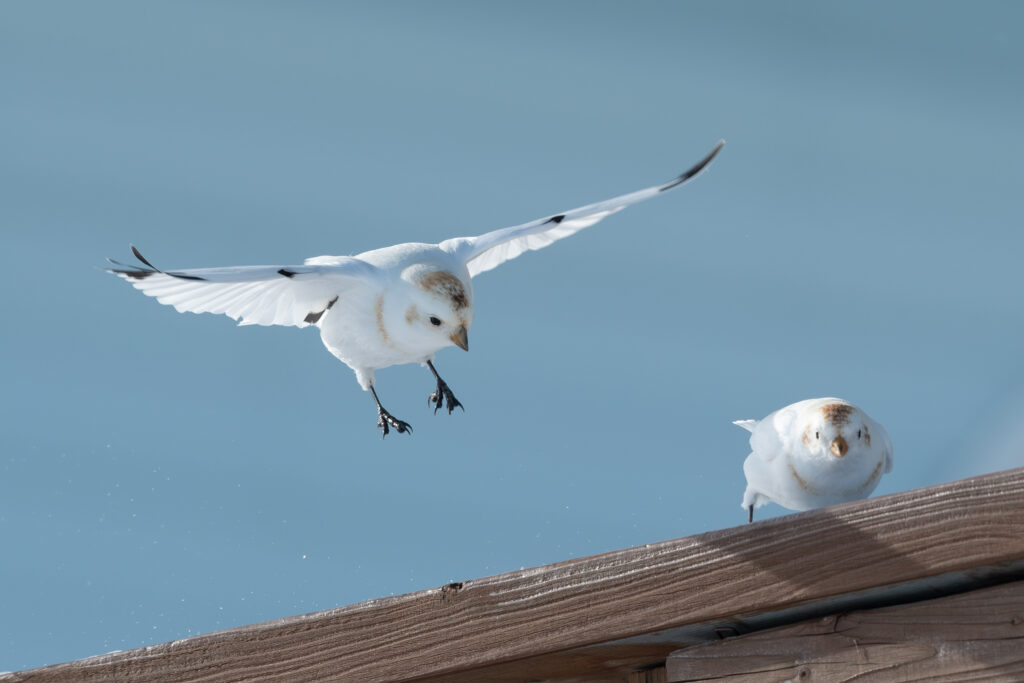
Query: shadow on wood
(976, 635)
(605, 617)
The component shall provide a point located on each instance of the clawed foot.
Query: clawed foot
(442, 394)
(386, 421)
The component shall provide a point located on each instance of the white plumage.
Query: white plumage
(399, 304)
(252, 295)
(814, 453)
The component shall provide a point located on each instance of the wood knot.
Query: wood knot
(449, 590)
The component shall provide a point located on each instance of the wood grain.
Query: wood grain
(655, 675)
(723, 578)
(972, 636)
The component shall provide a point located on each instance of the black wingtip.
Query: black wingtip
(138, 255)
(697, 168)
(139, 273)
(130, 269)
(556, 219)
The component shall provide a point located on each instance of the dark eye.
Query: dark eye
(815, 435)
(858, 433)
(435, 321)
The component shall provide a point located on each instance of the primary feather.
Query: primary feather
(252, 295)
(487, 251)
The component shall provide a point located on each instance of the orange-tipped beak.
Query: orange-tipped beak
(839, 447)
(461, 338)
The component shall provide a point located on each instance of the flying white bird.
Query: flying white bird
(814, 453)
(399, 304)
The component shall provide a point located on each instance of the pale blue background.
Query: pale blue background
(164, 475)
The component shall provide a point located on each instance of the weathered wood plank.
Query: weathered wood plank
(723, 577)
(611, 663)
(655, 675)
(972, 636)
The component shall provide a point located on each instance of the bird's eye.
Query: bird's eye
(815, 435)
(435, 321)
(858, 433)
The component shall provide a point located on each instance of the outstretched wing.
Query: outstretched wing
(252, 295)
(489, 250)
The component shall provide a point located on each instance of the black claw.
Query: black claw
(386, 420)
(442, 395)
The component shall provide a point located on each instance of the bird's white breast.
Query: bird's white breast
(788, 467)
(373, 330)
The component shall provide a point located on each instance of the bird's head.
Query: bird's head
(441, 306)
(836, 430)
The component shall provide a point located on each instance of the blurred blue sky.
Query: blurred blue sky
(163, 475)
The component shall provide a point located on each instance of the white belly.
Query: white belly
(803, 485)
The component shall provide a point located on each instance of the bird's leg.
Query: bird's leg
(385, 420)
(750, 513)
(442, 393)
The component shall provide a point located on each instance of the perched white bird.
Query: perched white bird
(399, 304)
(814, 453)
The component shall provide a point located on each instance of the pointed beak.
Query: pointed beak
(461, 338)
(838, 447)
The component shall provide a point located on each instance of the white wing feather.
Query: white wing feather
(749, 425)
(484, 252)
(253, 295)
(771, 435)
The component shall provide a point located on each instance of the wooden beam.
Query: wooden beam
(678, 592)
(976, 635)
(655, 675)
